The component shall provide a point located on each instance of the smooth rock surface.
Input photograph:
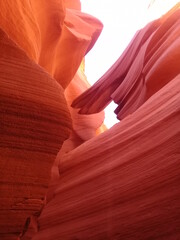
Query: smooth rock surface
(149, 62)
(35, 118)
(64, 176)
(123, 184)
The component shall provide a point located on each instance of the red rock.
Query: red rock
(150, 61)
(34, 122)
(80, 32)
(123, 184)
(19, 23)
(55, 37)
(75, 4)
(34, 116)
(50, 20)
(59, 179)
(84, 126)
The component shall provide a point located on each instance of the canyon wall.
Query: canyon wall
(63, 174)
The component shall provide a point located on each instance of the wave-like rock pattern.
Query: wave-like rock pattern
(123, 184)
(34, 120)
(60, 179)
(149, 62)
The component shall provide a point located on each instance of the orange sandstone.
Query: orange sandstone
(59, 177)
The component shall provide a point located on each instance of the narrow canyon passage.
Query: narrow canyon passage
(63, 174)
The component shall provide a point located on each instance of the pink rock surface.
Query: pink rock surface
(124, 183)
(60, 179)
(149, 62)
(84, 126)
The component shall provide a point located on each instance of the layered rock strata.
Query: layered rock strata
(124, 183)
(59, 177)
(149, 62)
(42, 45)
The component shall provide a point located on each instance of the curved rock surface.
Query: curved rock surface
(85, 126)
(34, 121)
(55, 37)
(127, 189)
(60, 179)
(149, 62)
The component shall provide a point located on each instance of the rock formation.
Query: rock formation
(63, 175)
(149, 62)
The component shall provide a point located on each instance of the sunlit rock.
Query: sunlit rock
(149, 62)
(35, 116)
(85, 126)
(55, 37)
(63, 175)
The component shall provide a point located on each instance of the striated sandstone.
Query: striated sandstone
(149, 62)
(35, 118)
(34, 122)
(124, 183)
(55, 37)
(59, 177)
(85, 126)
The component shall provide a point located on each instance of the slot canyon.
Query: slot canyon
(63, 174)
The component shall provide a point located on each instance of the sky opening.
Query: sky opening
(121, 20)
